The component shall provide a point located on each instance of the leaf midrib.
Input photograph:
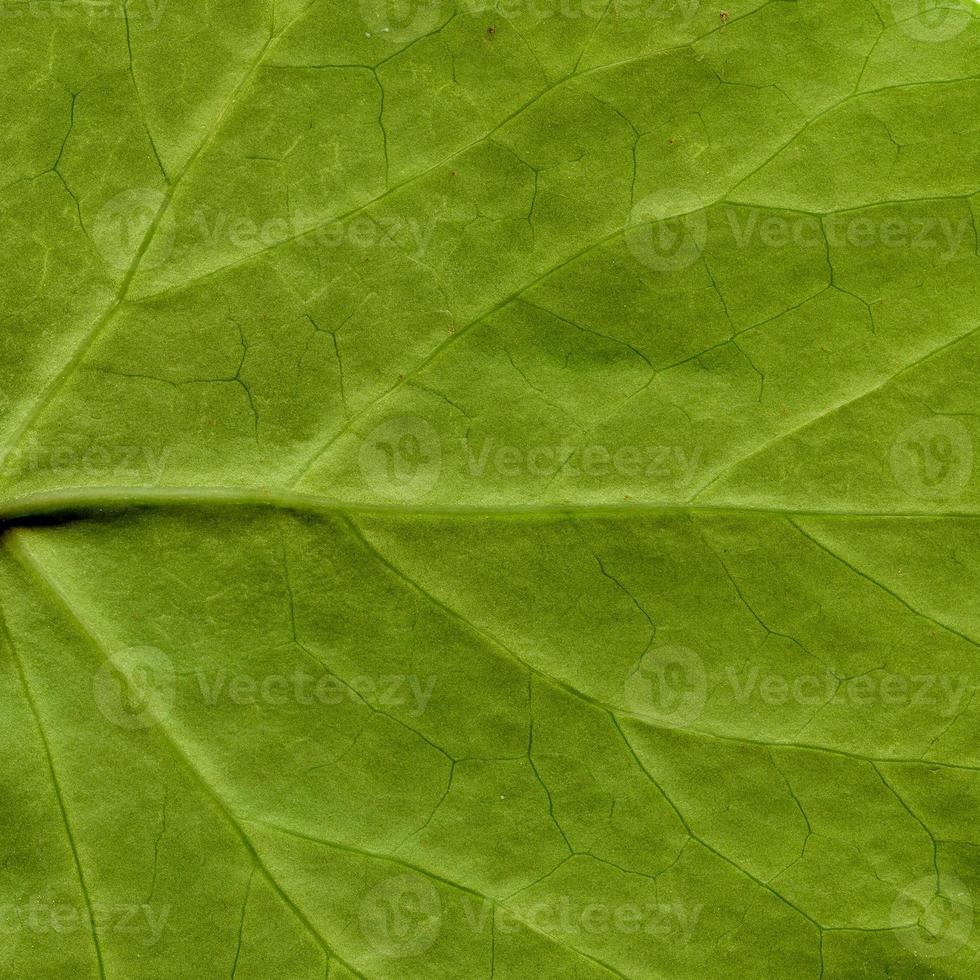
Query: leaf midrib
(115, 499)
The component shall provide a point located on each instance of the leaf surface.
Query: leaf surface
(488, 489)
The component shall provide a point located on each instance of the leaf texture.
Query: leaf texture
(487, 489)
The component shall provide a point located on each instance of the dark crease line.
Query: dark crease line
(97, 502)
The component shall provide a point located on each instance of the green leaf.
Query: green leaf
(488, 489)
